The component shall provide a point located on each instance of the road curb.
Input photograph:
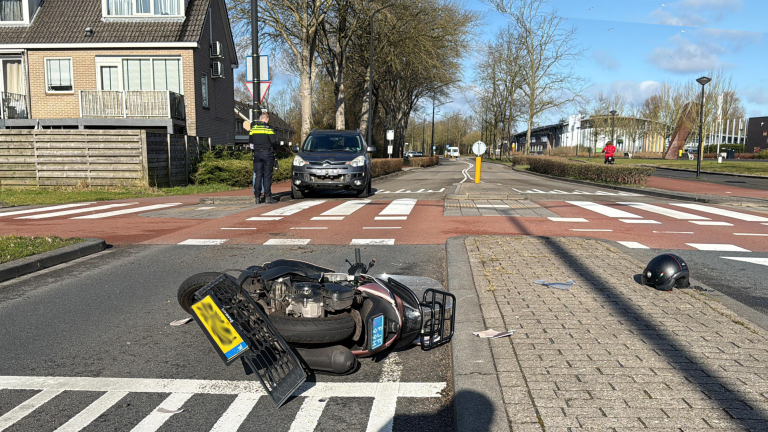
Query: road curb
(711, 172)
(475, 380)
(23, 266)
(620, 188)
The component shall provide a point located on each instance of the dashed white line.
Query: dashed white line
(372, 242)
(264, 218)
(390, 218)
(633, 245)
(205, 208)
(328, 218)
(75, 211)
(711, 223)
(309, 228)
(382, 227)
(564, 219)
(723, 212)
(127, 211)
(640, 221)
(44, 209)
(203, 242)
(589, 229)
(673, 232)
(287, 242)
(751, 234)
(239, 228)
(717, 247)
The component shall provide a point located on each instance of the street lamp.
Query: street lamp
(703, 81)
(370, 77)
(613, 116)
(432, 142)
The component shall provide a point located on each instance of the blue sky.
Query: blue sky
(654, 41)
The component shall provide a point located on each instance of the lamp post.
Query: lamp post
(613, 116)
(432, 142)
(255, 59)
(370, 77)
(703, 81)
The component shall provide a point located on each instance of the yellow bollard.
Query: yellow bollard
(478, 161)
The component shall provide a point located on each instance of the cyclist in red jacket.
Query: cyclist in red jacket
(609, 150)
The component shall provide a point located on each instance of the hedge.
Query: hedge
(615, 174)
(385, 166)
(763, 154)
(236, 172)
(424, 161)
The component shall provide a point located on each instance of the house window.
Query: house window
(124, 8)
(204, 92)
(10, 10)
(58, 75)
(110, 78)
(152, 74)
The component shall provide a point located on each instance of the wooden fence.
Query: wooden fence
(96, 158)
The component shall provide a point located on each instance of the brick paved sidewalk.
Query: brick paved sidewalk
(611, 354)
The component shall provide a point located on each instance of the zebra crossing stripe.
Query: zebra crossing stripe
(235, 415)
(157, 418)
(639, 221)
(633, 245)
(346, 209)
(203, 242)
(293, 208)
(717, 247)
(399, 207)
(664, 211)
(44, 209)
(723, 212)
(760, 261)
(711, 223)
(127, 211)
(604, 210)
(309, 414)
(80, 210)
(287, 242)
(92, 412)
(264, 218)
(564, 219)
(31, 404)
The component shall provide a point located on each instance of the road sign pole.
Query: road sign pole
(478, 161)
(255, 56)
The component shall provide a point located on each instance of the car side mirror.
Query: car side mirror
(371, 149)
(295, 149)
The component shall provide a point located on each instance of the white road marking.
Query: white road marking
(293, 208)
(640, 221)
(390, 218)
(673, 232)
(717, 247)
(384, 405)
(75, 211)
(465, 172)
(328, 218)
(205, 208)
(723, 212)
(156, 419)
(751, 234)
(563, 219)
(382, 227)
(588, 229)
(239, 228)
(664, 211)
(764, 224)
(26, 407)
(264, 218)
(235, 415)
(127, 211)
(407, 192)
(203, 242)
(399, 207)
(92, 412)
(309, 228)
(603, 210)
(346, 209)
(287, 242)
(711, 223)
(575, 192)
(308, 417)
(633, 245)
(44, 209)
(372, 242)
(761, 261)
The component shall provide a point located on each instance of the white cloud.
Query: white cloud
(695, 13)
(634, 92)
(605, 59)
(756, 95)
(684, 56)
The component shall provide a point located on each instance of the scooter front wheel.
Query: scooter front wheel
(188, 288)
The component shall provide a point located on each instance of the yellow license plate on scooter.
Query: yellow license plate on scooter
(218, 327)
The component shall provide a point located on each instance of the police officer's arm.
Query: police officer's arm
(273, 140)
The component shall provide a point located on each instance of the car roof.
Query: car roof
(333, 132)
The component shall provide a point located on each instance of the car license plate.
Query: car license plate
(377, 332)
(328, 172)
(218, 327)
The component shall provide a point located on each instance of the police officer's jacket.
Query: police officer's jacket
(262, 137)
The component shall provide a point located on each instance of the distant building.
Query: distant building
(757, 134)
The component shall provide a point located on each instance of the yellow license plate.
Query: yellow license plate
(220, 330)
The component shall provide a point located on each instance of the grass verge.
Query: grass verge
(733, 167)
(38, 196)
(14, 247)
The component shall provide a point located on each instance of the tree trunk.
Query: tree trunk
(306, 93)
(366, 102)
(340, 120)
(528, 135)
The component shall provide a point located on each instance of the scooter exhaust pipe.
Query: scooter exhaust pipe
(335, 359)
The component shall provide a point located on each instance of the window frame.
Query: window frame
(24, 16)
(205, 91)
(71, 75)
(105, 11)
(118, 61)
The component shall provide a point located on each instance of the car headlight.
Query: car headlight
(358, 161)
(298, 161)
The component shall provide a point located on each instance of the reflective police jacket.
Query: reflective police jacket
(262, 137)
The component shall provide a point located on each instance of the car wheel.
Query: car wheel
(366, 190)
(296, 192)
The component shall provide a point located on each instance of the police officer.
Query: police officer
(263, 143)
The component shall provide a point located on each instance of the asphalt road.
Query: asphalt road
(725, 180)
(108, 316)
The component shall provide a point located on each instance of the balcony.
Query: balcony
(132, 104)
(13, 106)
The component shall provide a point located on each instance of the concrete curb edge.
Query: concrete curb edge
(712, 172)
(23, 266)
(475, 381)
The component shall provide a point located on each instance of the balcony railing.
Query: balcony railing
(132, 104)
(13, 106)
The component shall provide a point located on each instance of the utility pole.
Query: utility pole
(423, 134)
(256, 108)
(432, 142)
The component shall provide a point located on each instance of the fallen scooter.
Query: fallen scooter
(288, 318)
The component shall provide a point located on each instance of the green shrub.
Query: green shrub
(712, 148)
(424, 161)
(762, 154)
(237, 171)
(520, 159)
(382, 167)
(615, 174)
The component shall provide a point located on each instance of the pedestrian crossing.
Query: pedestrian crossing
(97, 211)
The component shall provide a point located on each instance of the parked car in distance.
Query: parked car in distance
(410, 154)
(332, 160)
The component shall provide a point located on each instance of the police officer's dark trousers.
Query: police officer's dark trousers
(263, 164)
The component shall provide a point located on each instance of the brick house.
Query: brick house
(164, 65)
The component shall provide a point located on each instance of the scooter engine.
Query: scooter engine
(306, 300)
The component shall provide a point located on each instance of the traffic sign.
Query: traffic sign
(478, 148)
(263, 68)
(264, 89)
(390, 135)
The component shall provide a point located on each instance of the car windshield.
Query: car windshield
(333, 143)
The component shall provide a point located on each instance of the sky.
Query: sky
(631, 46)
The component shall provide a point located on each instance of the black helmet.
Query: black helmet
(666, 271)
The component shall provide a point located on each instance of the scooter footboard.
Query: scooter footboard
(267, 354)
(439, 308)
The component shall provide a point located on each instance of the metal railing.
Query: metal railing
(132, 104)
(13, 106)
